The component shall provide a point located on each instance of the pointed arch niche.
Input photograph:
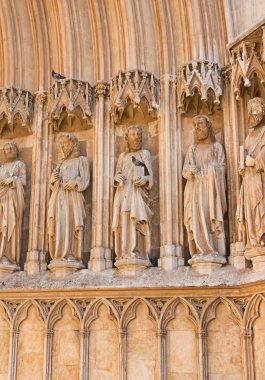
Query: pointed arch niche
(141, 346)
(180, 324)
(221, 322)
(134, 99)
(30, 344)
(103, 346)
(4, 342)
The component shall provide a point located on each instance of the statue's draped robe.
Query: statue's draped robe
(11, 210)
(251, 206)
(66, 215)
(204, 199)
(132, 202)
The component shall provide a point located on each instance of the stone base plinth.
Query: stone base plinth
(170, 257)
(7, 268)
(131, 266)
(36, 262)
(206, 264)
(63, 268)
(100, 259)
(257, 256)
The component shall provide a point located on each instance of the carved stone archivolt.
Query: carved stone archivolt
(248, 64)
(16, 112)
(138, 87)
(70, 99)
(199, 81)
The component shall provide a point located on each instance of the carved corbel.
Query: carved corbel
(135, 87)
(16, 112)
(198, 82)
(70, 98)
(247, 59)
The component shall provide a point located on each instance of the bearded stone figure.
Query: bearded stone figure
(66, 215)
(204, 198)
(251, 206)
(12, 183)
(132, 213)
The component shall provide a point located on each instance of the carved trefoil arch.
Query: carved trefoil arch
(199, 81)
(134, 86)
(16, 112)
(247, 59)
(70, 98)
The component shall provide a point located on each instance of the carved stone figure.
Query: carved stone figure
(12, 182)
(66, 215)
(204, 197)
(251, 207)
(132, 213)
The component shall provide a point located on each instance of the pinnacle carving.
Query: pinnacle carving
(16, 112)
(71, 98)
(248, 64)
(199, 81)
(134, 86)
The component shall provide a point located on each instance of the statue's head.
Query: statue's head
(69, 144)
(256, 112)
(203, 129)
(133, 137)
(10, 150)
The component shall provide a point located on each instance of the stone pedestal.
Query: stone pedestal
(170, 257)
(237, 258)
(257, 256)
(63, 268)
(131, 266)
(7, 268)
(36, 262)
(100, 259)
(206, 264)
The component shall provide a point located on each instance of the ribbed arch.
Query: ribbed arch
(91, 40)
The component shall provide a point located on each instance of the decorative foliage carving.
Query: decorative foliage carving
(198, 82)
(13, 305)
(248, 64)
(241, 303)
(137, 87)
(119, 303)
(82, 304)
(71, 99)
(16, 112)
(159, 303)
(198, 303)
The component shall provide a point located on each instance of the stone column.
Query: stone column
(47, 366)
(13, 354)
(169, 178)
(100, 258)
(203, 355)
(232, 143)
(248, 356)
(37, 247)
(84, 356)
(122, 353)
(161, 335)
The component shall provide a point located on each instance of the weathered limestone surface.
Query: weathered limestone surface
(82, 75)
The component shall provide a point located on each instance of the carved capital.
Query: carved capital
(101, 89)
(134, 87)
(41, 98)
(199, 81)
(16, 112)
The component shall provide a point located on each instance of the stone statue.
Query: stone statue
(204, 196)
(251, 206)
(12, 182)
(66, 213)
(132, 214)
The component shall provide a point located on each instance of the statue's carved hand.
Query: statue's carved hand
(6, 181)
(190, 172)
(141, 181)
(69, 185)
(119, 178)
(54, 177)
(250, 161)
